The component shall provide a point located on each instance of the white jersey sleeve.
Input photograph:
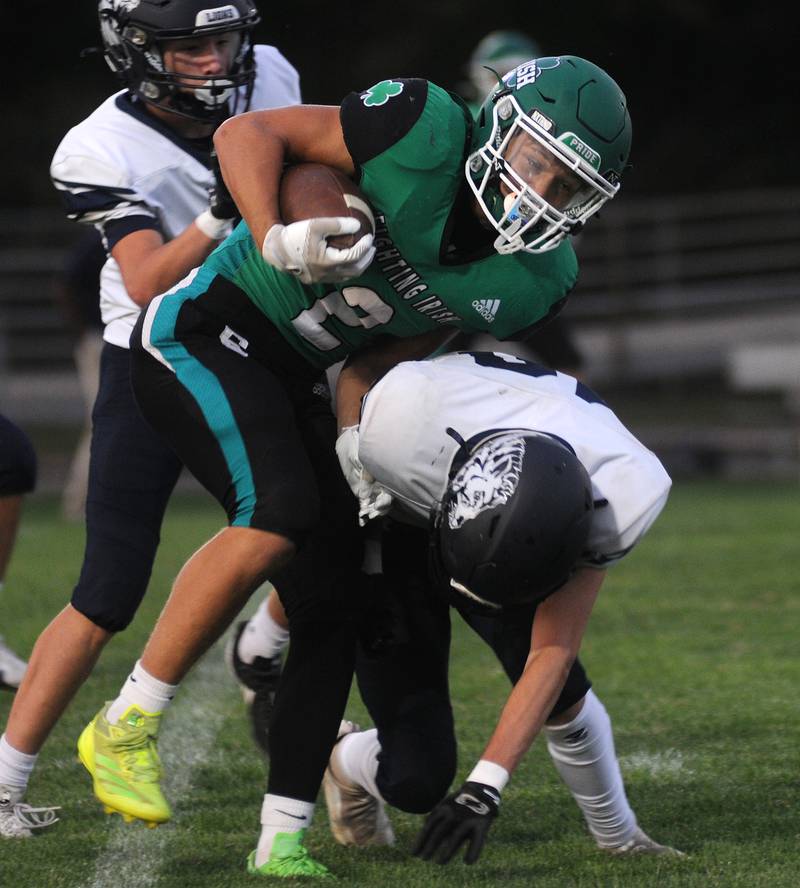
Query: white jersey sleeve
(122, 169)
(405, 444)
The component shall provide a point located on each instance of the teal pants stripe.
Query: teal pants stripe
(207, 392)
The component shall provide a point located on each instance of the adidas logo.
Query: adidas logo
(487, 308)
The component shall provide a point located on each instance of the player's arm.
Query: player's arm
(150, 266)
(252, 149)
(97, 191)
(464, 818)
(558, 628)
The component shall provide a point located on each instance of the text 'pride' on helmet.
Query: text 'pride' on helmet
(514, 520)
(133, 32)
(577, 114)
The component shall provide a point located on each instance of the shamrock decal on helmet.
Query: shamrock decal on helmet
(381, 93)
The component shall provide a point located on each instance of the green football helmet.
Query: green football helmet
(559, 114)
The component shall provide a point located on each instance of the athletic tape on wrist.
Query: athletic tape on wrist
(216, 229)
(489, 773)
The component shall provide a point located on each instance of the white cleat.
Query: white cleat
(18, 820)
(356, 817)
(641, 843)
(12, 667)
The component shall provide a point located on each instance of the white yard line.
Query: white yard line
(669, 763)
(134, 854)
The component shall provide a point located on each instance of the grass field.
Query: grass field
(693, 648)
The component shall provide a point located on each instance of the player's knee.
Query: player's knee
(420, 792)
(109, 616)
(109, 601)
(417, 783)
(575, 689)
(17, 460)
(292, 514)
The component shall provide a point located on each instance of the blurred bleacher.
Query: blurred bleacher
(687, 311)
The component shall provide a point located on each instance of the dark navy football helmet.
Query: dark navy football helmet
(514, 520)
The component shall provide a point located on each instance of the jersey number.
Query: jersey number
(341, 305)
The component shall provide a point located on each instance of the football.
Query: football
(312, 190)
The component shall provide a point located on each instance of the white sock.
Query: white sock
(144, 691)
(15, 766)
(280, 814)
(262, 636)
(357, 759)
(583, 753)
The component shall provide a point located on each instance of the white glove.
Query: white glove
(373, 500)
(212, 227)
(302, 249)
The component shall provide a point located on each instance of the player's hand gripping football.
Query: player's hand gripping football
(302, 249)
(462, 818)
(373, 500)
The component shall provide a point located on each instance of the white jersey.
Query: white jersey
(403, 439)
(122, 169)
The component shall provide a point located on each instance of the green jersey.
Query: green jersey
(409, 139)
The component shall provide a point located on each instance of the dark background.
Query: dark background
(711, 85)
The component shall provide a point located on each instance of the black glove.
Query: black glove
(220, 202)
(465, 816)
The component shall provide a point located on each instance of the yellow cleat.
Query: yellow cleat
(123, 761)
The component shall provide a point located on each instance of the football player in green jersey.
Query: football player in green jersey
(473, 220)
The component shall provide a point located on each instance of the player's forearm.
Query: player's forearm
(528, 706)
(251, 157)
(150, 267)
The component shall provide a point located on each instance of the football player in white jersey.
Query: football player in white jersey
(17, 479)
(139, 168)
(529, 488)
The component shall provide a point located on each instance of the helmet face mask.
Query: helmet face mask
(575, 114)
(513, 522)
(134, 35)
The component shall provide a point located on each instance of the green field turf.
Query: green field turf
(693, 648)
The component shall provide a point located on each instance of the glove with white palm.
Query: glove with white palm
(373, 499)
(302, 249)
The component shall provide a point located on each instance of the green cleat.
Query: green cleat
(123, 761)
(289, 859)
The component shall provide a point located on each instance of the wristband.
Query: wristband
(489, 773)
(213, 228)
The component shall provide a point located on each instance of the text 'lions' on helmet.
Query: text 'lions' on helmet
(514, 520)
(134, 31)
(561, 116)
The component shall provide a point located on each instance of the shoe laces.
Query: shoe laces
(298, 862)
(136, 748)
(35, 818)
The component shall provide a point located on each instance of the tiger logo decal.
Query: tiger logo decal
(486, 480)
